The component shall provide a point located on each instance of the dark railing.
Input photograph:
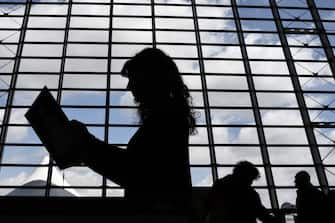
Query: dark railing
(113, 209)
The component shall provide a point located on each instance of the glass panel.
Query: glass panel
(229, 99)
(46, 22)
(226, 82)
(138, 10)
(281, 117)
(84, 81)
(123, 116)
(273, 83)
(267, 67)
(255, 2)
(89, 22)
(167, 10)
(44, 9)
(224, 66)
(217, 24)
(235, 135)
(120, 135)
(265, 53)
(261, 38)
(232, 155)
(24, 155)
(88, 116)
(223, 12)
(289, 155)
(86, 65)
(201, 176)
(284, 176)
(175, 37)
(199, 155)
(44, 36)
(88, 50)
(44, 50)
(221, 52)
(284, 136)
(37, 81)
(88, 36)
(231, 117)
(131, 23)
(219, 37)
(40, 65)
(78, 9)
(255, 13)
(264, 25)
(132, 36)
(282, 100)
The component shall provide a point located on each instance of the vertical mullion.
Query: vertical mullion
(153, 23)
(205, 93)
(300, 99)
(109, 62)
(11, 90)
(60, 86)
(255, 107)
(322, 34)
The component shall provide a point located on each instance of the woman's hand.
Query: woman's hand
(80, 138)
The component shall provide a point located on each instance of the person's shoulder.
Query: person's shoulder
(310, 192)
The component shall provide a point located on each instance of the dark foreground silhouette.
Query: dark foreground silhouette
(233, 200)
(311, 203)
(154, 169)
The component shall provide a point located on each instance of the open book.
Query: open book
(52, 127)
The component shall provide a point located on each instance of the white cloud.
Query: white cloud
(85, 81)
(12, 180)
(265, 52)
(200, 138)
(205, 182)
(277, 100)
(37, 81)
(1, 115)
(229, 99)
(167, 10)
(16, 134)
(220, 116)
(281, 117)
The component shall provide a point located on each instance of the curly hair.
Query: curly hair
(161, 79)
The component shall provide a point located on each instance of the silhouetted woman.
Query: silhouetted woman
(154, 168)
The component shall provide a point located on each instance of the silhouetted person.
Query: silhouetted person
(233, 200)
(154, 169)
(310, 202)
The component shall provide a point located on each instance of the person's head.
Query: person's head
(302, 179)
(155, 82)
(245, 172)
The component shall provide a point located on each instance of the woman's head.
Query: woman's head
(152, 76)
(154, 80)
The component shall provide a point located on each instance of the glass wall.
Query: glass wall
(261, 74)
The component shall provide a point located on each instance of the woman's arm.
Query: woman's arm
(107, 160)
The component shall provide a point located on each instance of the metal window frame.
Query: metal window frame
(308, 125)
